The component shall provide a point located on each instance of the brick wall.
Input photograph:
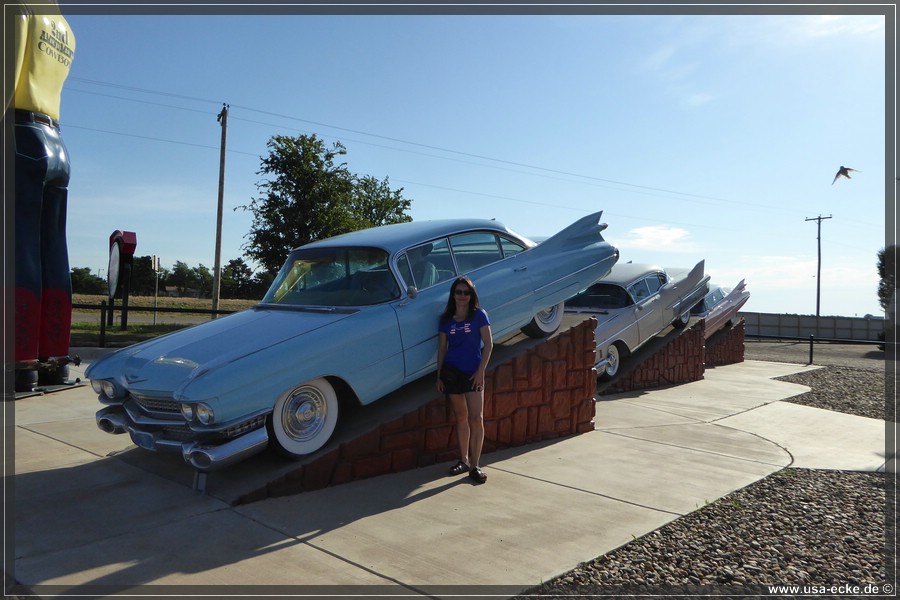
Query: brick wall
(544, 392)
(679, 361)
(726, 346)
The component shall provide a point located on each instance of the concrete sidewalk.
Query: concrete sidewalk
(88, 522)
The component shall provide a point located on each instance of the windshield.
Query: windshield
(601, 295)
(334, 277)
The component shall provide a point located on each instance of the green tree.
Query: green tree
(887, 261)
(237, 279)
(260, 285)
(85, 283)
(307, 196)
(377, 204)
(182, 277)
(143, 279)
(165, 276)
(204, 280)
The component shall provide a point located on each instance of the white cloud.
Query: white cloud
(818, 26)
(786, 272)
(661, 59)
(787, 284)
(697, 99)
(784, 31)
(663, 238)
(677, 74)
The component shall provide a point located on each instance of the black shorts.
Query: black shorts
(456, 381)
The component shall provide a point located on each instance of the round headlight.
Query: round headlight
(97, 385)
(108, 388)
(204, 414)
(187, 411)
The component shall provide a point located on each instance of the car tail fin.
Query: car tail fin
(585, 230)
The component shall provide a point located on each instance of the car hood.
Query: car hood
(170, 362)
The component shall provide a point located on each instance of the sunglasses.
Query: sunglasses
(462, 293)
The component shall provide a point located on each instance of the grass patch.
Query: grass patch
(88, 334)
(146, 303)
(85, 331)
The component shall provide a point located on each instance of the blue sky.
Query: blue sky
(700, 137)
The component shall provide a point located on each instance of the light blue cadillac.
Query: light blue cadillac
(350, 319)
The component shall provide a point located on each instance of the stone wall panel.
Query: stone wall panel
(542, 392)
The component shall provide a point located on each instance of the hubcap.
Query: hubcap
(613, 365)
(304, 414)
(547, 316)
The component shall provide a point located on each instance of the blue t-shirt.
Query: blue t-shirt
(464, 341)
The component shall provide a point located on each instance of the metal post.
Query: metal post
(155, 266)
(126, 288)
(103, 324)
(217, 267)
(110, 313)
(811, 339)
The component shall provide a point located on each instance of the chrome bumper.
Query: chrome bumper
(199, 456)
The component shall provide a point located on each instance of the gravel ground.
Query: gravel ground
(842, 389)
(808, 528)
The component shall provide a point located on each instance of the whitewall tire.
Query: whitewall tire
(304, 419)
(613, 363)
(546, 322)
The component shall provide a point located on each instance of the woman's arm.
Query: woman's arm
(442, 351)
(488, 346)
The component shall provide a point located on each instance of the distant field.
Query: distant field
(146, 302)
(142, 323)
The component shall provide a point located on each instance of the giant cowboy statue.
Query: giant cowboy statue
(44, 48)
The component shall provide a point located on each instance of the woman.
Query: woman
(464, 349)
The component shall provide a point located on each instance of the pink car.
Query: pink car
(720, 306)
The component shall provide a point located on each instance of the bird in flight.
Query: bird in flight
(843, 172)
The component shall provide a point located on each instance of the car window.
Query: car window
(405, 270)
(334, 277)
(639, 290)
(474, 250)
(429, 264)
(700, 307)
(604, 296)
(510, 247)
(705, 304)
(654, 282)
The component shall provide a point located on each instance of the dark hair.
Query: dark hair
(451, 303)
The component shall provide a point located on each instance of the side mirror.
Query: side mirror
(412, 291)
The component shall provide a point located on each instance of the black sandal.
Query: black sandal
(459, 468)
(477, 475)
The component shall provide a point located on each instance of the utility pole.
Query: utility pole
(819, 219)
(155, 267)
(217, 267)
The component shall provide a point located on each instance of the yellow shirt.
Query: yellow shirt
(45, 46)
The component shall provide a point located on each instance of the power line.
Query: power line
(172, 106)
(584, 179)
(407, 142)
(155, 139)
(141, 90)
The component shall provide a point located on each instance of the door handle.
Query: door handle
(520, 269)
